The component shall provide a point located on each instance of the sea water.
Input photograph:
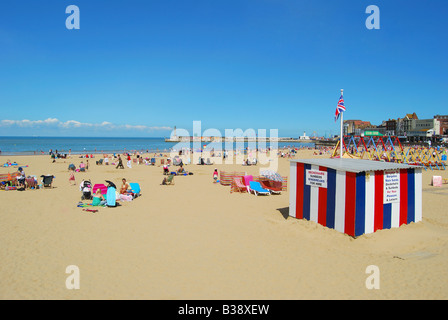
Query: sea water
(81, 145)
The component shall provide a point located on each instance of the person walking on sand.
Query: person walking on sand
(120, 163)
(129, 161)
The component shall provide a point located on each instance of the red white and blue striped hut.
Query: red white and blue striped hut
(354, 196)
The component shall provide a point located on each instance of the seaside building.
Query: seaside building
(304, 137)
(443, 124)
(391, 127)
(355, 127)
(423, 130)
(409, 128)
(407, 123)
(397, 127)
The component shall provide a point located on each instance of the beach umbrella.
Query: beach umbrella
(271, 175)
(111, 184)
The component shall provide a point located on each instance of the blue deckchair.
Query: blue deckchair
(135, 187)
(256, 187)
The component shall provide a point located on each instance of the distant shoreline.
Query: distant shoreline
(11, 146)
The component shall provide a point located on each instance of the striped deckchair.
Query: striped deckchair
(31, 183)
(238, 185)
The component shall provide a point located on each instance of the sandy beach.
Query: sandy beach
(196, 240)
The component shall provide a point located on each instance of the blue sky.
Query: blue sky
(141, 67)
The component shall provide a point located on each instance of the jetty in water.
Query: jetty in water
(251, 139)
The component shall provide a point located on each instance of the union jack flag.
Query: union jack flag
(339, 109)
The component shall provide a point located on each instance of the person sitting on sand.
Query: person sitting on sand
(98, 198)
(21, 178)
(181, 169)
(124, 187)
(165, 169)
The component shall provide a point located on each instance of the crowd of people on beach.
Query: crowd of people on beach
(165, 160)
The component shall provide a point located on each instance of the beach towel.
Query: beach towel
(90, 210)
(86, 205)
(247, 179)
(125, 197)
(110, 197)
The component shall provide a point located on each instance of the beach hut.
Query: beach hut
(355, 196)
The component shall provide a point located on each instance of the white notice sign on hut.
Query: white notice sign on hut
(316, 178)
(391, 186)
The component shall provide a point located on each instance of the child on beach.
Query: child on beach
(215, 176)
(72, 177)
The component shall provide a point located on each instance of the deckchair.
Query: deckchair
(31, 183)
(272, 189)
(135, 188)
(257, 189)
(238, 185)
(247, 179)
(47, 181)
(208, 162)
(153, 161)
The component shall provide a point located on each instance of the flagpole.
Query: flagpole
(341, 142)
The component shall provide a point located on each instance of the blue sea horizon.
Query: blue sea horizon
(33, 145)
